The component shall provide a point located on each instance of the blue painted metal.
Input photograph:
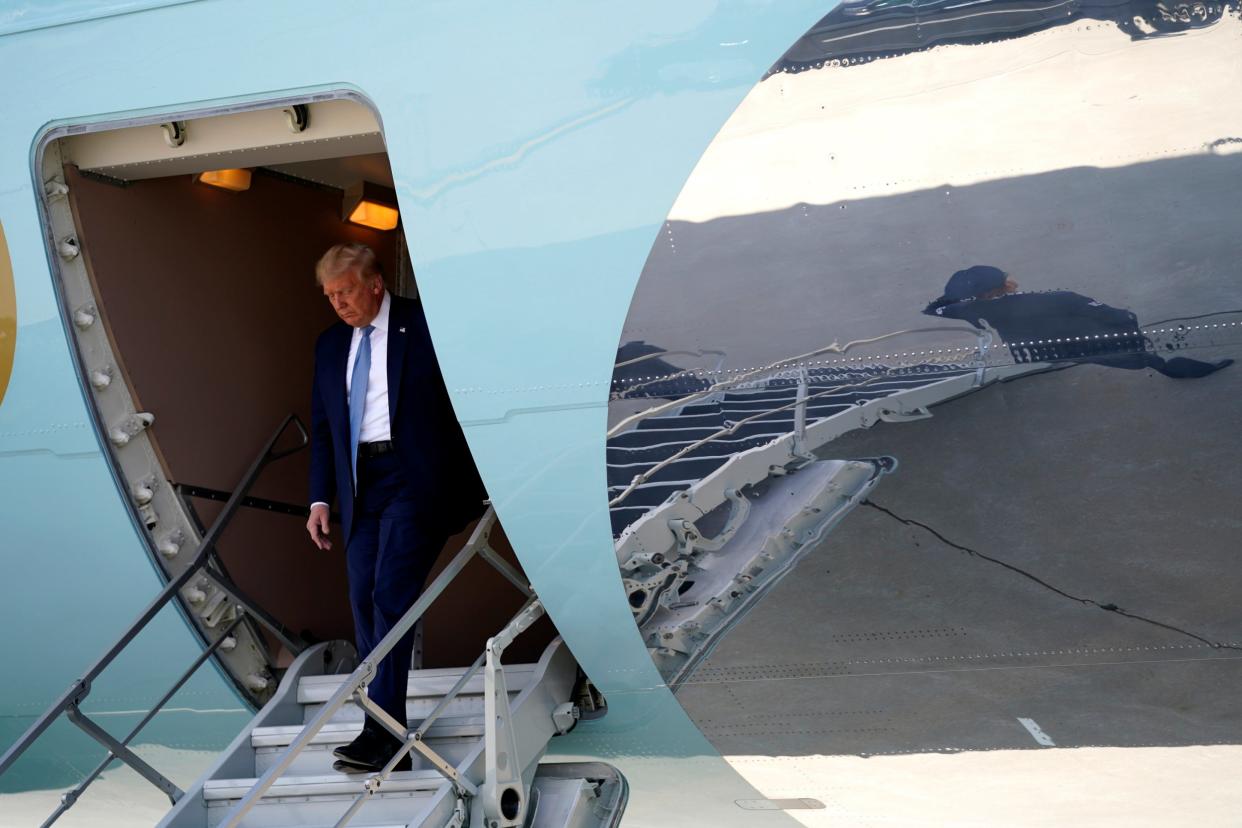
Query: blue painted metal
(24, 15)
(536, 151)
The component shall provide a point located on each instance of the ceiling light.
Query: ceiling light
(371, 205)
(235, 180)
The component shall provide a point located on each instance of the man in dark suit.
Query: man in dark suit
(1057, 325)
(386, 445)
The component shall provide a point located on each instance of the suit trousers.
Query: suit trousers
(390, 551)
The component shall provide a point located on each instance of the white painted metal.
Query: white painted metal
(310, 793)
(239, 139)
(423, 683)
(577, 795)
(162, 519)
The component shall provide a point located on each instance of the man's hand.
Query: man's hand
(317, 526)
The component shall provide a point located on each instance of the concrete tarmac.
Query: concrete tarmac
(1115, 486)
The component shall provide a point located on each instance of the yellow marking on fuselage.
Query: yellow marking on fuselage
(8, 316)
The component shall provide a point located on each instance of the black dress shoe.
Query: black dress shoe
(345, 767)
(361, 746)
(372, 755)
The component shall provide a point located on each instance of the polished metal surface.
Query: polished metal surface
(1049, 565)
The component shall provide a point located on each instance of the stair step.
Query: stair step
(415, 709)
(322, 799)
(421, 683)
(334, 784)
(451, 738)
(282, 735)
(310, 793)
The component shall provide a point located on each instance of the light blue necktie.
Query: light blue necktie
(358, 395)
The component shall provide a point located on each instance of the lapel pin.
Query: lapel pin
(400, 330)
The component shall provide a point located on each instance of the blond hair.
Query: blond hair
(348, 258)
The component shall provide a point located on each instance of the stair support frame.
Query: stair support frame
(68, 799)
(502, 772)
(70, 701)
(121, 751)
(498, 712)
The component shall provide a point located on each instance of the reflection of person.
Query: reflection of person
(385, 442)
(1052, 326)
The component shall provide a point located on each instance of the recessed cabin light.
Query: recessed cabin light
(234, 180)
(370, 214)
(371, 206)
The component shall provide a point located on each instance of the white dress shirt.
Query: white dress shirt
(376, 424)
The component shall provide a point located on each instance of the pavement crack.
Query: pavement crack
(1104, 605)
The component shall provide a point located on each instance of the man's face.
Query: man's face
(1010, 286)
(355, 300)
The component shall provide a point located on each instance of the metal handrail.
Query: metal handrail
(354, 687)
(983, 337)
(530, 611)
(68, 799)
(70, 701)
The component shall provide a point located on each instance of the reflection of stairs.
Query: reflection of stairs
(657, 438)
(311, 793)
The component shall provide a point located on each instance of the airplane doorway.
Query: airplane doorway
(196, 312)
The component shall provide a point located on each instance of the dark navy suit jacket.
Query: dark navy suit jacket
(425, 434)
(1050, 326)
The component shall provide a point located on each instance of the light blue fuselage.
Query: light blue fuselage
(536, 151)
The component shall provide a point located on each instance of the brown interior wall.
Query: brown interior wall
(211, 302)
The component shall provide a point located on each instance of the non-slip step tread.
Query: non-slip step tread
(336, 784)
(333, 732)
(421, 683)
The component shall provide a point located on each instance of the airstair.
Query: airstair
(475, 734)
(455, 778)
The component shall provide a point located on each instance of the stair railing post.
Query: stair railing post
(800, 411)
(985, 342)
(503, 796)
(496, 704)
